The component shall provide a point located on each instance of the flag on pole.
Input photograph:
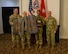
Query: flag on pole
(30, 6)
(42, 9)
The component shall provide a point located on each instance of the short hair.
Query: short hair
(15, 8)
(24, 12)
(50, 12)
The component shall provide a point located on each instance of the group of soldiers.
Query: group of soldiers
(23, 27)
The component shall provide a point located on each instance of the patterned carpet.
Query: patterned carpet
(5, 47)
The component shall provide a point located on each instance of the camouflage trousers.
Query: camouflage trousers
(38, 36)
(50, 37)
(26, 38)
(15, 39)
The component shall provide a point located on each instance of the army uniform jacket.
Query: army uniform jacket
(17, 24)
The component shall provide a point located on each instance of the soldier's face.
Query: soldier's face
(38, 12)
(49, 13)
(15, 11)
(25, 14)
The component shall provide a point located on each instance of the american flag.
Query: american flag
(30, 6)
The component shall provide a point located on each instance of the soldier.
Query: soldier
(30, 26)
(27, 35)
(51, 27)
(38, 36)
(15, 27)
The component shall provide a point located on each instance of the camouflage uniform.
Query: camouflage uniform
(15, 35)
(51, 27)
(26, 36)
(38, 36)
(30, 28)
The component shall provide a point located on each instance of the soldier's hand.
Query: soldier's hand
(54, 31)
(11, 23)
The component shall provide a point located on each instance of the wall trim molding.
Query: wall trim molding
(63, 37)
